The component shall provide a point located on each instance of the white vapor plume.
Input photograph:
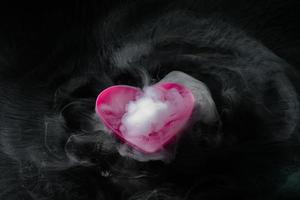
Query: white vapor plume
(149, 113)
(146, 115)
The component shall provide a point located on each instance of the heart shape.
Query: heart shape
(113, 106)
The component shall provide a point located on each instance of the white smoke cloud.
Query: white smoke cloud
(146, 115)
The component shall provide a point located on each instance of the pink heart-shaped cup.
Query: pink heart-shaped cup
(112, 105)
